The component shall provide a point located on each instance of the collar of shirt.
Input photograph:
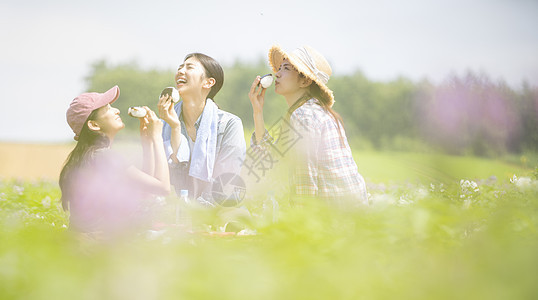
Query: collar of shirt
(196, 124)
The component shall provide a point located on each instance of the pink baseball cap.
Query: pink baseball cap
(82, 106)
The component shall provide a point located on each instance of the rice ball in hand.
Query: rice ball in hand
(266, 80)
(137, 112)
(172, 92)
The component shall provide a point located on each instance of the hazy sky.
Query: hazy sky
(48, 46)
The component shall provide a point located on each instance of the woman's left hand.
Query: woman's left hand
(154, 125)
(150, 125)
(144, 129)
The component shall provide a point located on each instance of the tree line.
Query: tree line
(469, 114)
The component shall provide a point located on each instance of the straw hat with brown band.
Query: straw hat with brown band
(307, 61)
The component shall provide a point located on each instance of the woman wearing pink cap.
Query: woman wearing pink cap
(102, 192)
(323, 165)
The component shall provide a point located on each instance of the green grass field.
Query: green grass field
(426, 235)
(426, 168)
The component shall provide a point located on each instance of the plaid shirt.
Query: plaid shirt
(323, 164)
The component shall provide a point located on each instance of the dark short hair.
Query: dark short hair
(212, 70)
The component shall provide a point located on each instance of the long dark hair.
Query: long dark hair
(89, 141)
(314, 91)
(212, 70)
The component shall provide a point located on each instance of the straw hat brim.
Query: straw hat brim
(277, 56)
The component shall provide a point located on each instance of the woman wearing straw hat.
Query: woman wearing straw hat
(323, 164)
(100, 189)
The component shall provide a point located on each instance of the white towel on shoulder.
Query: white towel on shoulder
(205, 146)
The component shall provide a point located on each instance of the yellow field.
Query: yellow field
(44, 161)
(32, 161)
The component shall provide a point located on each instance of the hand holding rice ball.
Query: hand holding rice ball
(171, 91)
(137, 112)
(266, 80)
